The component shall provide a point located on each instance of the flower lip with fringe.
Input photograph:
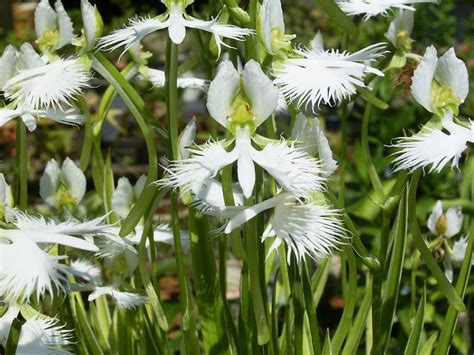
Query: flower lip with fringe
(325, 76)
(371, 8)
(307, 228)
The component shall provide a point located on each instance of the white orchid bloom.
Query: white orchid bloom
(445, 224)
(39, 335)
(440, 85)
(62, 187)
(37, 89)
(86, 270)
(157, 78)
(272, 28)
(400, 30)
(7, 210)
(242, 102)
(175, 20)
(325, 76)
(113, 248)
(372, 8)
(124, 300)
(308, 131)
(432, 146)
(125, 195)
(54, 28)
(25, 267)
(307, 228)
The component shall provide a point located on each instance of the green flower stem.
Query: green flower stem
(21, 166)
(342, 167)
(236, 241)
(208, 295)
(258, 294)
(87, 143)
(311, 310)
(135, 104)
(394, 274)
(373, 175)
(346, 318)
(13, 337)
(171, 89)
(445, 286)
(153, 296)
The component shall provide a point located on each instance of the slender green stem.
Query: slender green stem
(171, 88)
(342, 168)
(21, 166)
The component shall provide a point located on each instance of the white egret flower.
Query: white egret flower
(433, 146)
(157, 78)
(37, 89)
(39, 335)
(307, 228)
(25, 267)
(272, 28)
(175, 20)
(440, 85)
(400, 30)
(112, 248)
(445, 224)
(124, 300)
(372, 8)
(54, 28)
(125, 195)
(7, 210)
(325, 76)
(62, 187)
(308, 131)
(242, 102)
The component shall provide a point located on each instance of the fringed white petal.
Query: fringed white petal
(296, 171)
(53, 84)
(307, 228)
(222, 92)
(325, 76)
(132, 34)
(432, 147)
(86, 270)
(26, 269)
(124, 300)
(371, 8)
(260, 90)
(205, 162)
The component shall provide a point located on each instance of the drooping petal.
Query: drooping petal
(48, 85)
(452, 72)
(157, 78)
(245, 167)
(432, 147)
(132, 34)
(459, 250)
(210, 198)
(7, 64)
(271, 19)
(66, 28)
(186, 138)
(454, 219)
(261, 91)
(45, 18)
(423, 77)
(67, 116)
(29, 120)
(222, 92)
(74, 179)
(434, 217)
(6, 115)
(293, 169)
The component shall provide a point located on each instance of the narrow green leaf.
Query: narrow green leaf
(86, 329)
(357, 329)
(427, 348)
(109, 187)
(327, 348)
(13, 337)
(413, 344)
(310, 307)
(445, 286)
(336, 14)
(319, 280)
